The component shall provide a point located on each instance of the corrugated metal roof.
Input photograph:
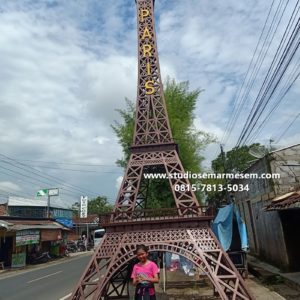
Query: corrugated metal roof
(33, 224)
(288, 200)
(41, 202)
(6, 225)
(284, 148)
(90, 219)
(45, 226)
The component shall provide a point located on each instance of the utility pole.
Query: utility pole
(226, 194)
(49, 193)
(223, 158)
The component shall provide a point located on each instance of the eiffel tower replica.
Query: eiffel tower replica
(183, 230)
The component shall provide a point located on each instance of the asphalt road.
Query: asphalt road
(47, 282)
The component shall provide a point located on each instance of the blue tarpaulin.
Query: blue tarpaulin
(222, 226)
(66, 222)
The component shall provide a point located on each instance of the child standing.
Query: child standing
(144, 275)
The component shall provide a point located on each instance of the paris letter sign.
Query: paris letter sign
(147, 49)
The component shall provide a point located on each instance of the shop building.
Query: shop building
(19, 237)
(271, 208)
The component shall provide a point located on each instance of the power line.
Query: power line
(249, 84)
(272, 80)
(257, 102)
(66, 163)
(68, 192)
(288, 127)
(278, 101)
(41, 174)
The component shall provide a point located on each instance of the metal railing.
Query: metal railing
(158, 214)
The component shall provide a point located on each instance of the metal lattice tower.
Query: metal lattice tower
(183, 230)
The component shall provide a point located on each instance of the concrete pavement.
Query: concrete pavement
(7, 272)
(259, 291)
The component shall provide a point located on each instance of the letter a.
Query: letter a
(146, 33)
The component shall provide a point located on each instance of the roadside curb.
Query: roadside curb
(11, 272)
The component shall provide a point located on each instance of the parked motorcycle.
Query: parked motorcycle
(90, 246)
(71, 247)
(81, 245)
(39, 258)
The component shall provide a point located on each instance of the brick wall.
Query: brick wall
(3, 210)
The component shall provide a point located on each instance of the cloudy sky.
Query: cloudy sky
(67, 65)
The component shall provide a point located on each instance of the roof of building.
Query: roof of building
(255, 161)
(286, 201)
(284, 148)
(90, 219)
(5, 225)
(21, 224)
(41, 202)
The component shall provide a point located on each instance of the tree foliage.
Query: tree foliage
(236, 160)
(233, 161)
(181, 104)
(98, 205)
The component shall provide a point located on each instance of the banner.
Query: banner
(27, 237)
(83, 206)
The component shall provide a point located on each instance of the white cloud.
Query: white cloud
(7, 185)
(66, 67)
(119, 182)
(100, 140)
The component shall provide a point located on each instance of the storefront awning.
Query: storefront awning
(46, 226)
(6, 225)
(17, 224)
(286, 201)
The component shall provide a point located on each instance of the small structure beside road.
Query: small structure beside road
(271, 208)
(19, 237)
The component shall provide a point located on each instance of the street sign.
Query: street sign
(53, 192)
(83, 206)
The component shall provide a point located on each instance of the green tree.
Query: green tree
(233, 161)
(75, 208)
(98, 205)
(181, 104)
(237, 159)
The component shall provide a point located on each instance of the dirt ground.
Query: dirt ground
(179, 286)
(278, 285)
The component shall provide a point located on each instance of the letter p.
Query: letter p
(144, 13)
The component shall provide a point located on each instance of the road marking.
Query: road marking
(65, 297)
(44, 277)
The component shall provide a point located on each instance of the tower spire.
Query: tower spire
(152, 123)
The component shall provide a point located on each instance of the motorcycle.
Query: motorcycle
(71, 247)
(39, 258)
(81, 245)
